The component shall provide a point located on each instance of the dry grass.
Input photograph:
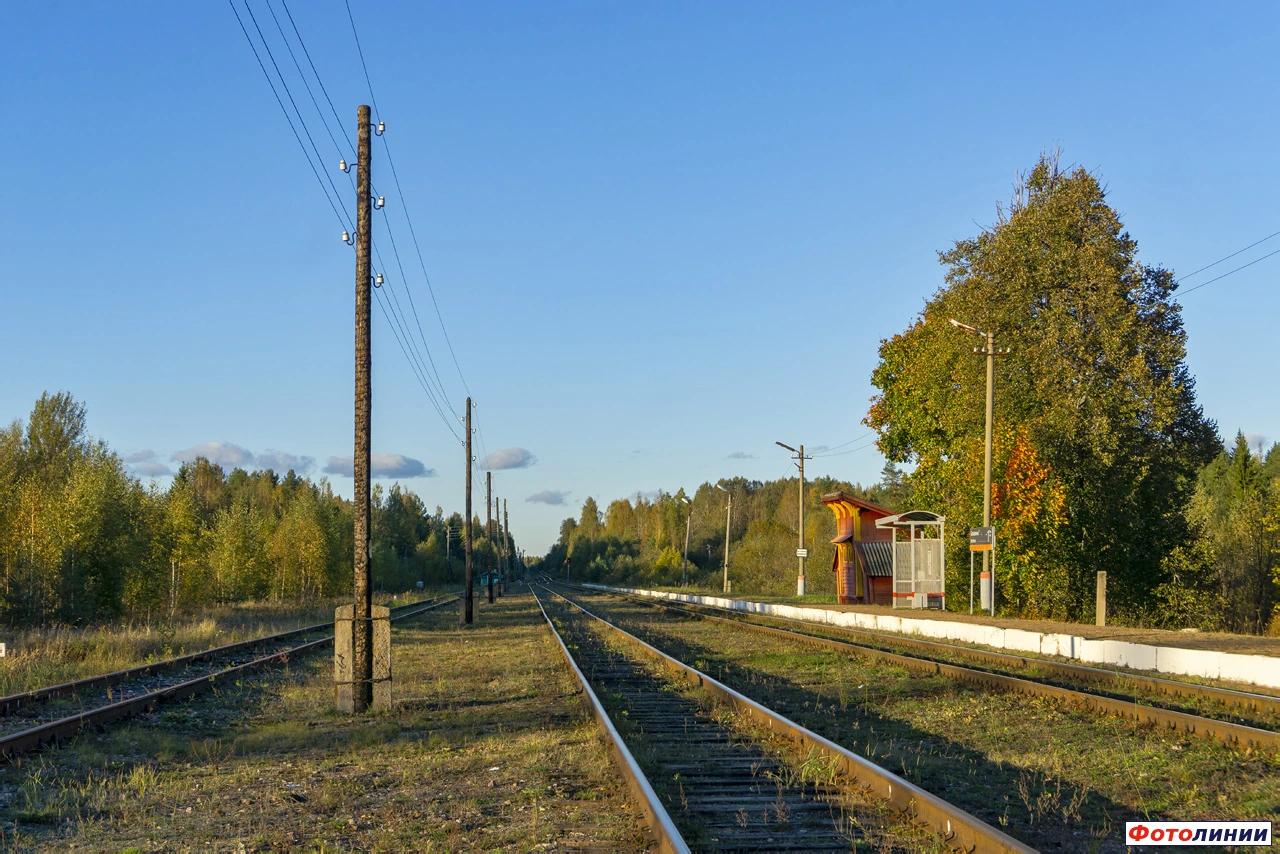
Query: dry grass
(490, 748)
(51, 655)
(1052, 775)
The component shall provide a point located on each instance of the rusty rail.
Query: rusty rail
(1224, 731)
(13, 702)
(36, 737)
(660, 824)
(959, 827)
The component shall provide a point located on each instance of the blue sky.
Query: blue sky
(660, 234)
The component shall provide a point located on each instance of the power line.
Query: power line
(850, 451)
(843, 444)
(383, 306)
(409, 292)
(396, 311)
(403, 204)
(323, 89)
(390, 308)
(394, 315)
(1182, 279)
(332, 205)
(433, 371)
(289, 94)
(1229, 272)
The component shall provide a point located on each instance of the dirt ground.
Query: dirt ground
(490, 747)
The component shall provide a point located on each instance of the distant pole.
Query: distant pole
(488, 529)
(986, 465)
(728, 518)
(506, 539)
(448, 547)
(800, 548)
(467, 595)
(988, 563)
(500, 550)
(799, 457)
(688, 523)
(1100, 602)
(362, 641)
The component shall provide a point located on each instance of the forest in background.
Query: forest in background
(642, 540)
(82, 540)
(1102, 457)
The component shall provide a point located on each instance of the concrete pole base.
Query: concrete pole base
(344, 684)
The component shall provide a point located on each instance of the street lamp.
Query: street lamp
(728, 516)
(801, 554)
(988, 564)
(688, 520)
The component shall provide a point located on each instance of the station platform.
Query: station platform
(1243, 659)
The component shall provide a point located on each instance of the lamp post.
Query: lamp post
(688, 520)
(989, 350)
(728, 517)
(800, 552)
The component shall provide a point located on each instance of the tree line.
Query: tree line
(1102, 457)
(643, 540)
(81, 539)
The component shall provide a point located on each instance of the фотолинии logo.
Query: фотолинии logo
(1152, 833)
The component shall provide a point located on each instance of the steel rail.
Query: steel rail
(659, 820)
(1232, 697)
(958, 827)
(13, 702)
(1224, 731)
(36, 737)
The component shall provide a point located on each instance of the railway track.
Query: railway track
(725, 791)
(1129, 705)
(34, 719)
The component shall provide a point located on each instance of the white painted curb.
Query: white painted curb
(1209, 664)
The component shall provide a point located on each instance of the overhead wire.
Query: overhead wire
(289, 94)
(413, 233)
(1182, 279)
(1229, 272)
(270, 83)
(391, 307)
(830, 448)
(425, 349)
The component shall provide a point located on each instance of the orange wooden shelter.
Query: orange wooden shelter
(863, 557)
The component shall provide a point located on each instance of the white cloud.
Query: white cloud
(282, 461)
(508, 458)
(146, 455)
(224, 454)
(549, 496)
(150, 468)
(740, 455)
(381, 465)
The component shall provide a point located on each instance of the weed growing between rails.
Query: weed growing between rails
(859, 814)
(489, 747)
(1082, 775)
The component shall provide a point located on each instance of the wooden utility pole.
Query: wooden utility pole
(488, 529)
(800, 586)
(506, 539)
(362, 652)
(1100, 600)
(467, 597)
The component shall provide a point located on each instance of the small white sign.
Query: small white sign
(802, 552)
(2, 651)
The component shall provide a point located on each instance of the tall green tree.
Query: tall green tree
(1099, 435)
